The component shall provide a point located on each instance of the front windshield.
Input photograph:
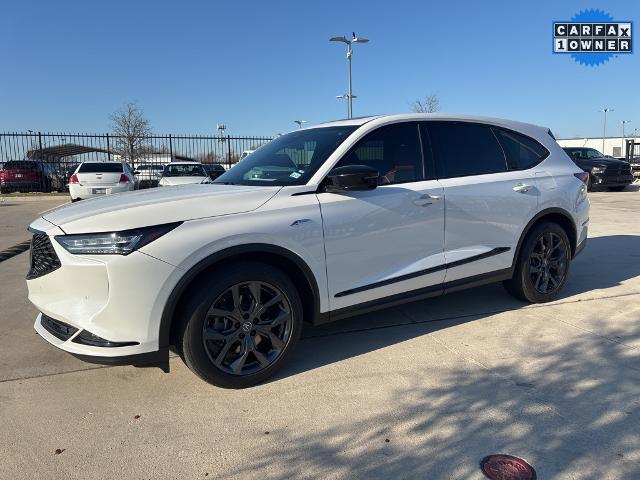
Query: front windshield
(585, 153)
(184, 170)
(288, 160)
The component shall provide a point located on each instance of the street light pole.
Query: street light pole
(624, 122)
(349, 55)
(604, 128)
(350, 96)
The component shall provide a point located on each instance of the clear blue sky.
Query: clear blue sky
(257, 66)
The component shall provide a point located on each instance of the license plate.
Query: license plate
(98, 190)
(19, 175)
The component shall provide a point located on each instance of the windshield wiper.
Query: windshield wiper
(225, 183)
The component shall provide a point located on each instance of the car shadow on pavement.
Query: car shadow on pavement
(569, 403)
(570, 408)
(605, 263)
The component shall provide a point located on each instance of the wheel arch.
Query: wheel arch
(555, 215)
(279, 257)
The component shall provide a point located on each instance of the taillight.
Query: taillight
(583, 177)
(73, 179)
(124, 178)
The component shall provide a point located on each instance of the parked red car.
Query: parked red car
(29, 176)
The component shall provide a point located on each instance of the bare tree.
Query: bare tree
(428, 104)
(131, 130)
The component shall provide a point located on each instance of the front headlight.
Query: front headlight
(113, 243)
(597, 170)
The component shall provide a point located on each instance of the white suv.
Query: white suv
(320, 224)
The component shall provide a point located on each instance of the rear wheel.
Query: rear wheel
(542, 267)
(618, 188)
(239, 327)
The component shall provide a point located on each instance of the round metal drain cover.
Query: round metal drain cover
(506, 467)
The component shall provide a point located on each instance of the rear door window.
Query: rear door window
(521, 151)
(100, 168)
(464, 149)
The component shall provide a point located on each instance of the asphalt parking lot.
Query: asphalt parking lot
(423, 391)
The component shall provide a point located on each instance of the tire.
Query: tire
(73, 200)
(617, 189)
(529, 282)
(254, 349)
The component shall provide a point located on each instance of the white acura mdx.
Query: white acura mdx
(320, 224)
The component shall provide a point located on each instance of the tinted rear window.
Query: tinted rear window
(522, 152)
(465, 149)
(100, 168)
(20, 164)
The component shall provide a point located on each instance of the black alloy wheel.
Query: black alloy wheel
(247, 327)
(542, 266)
(239, 324)
(548, 262)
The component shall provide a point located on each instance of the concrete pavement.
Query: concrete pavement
(445, 381)
(16, 214)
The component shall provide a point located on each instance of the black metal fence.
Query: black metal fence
(41, 162)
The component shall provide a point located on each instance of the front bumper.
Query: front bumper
(611, 181)
(117, 298)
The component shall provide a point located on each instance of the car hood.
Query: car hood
(156, 206)
(598, 162)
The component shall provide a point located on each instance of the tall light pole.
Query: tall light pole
(604, 128)
(299, 122)
(343, 39)
(623, 122)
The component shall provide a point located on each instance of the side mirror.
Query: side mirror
(352, 178)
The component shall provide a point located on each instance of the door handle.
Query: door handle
(426, 199)
(522, 188)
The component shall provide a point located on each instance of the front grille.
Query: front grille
(58, 329)
(617, 170)
(43, 257)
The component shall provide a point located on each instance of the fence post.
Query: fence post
(108, 148)
(40, 145)
(42, 178)
(228, 152)
(170, 148)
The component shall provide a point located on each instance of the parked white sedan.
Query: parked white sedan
(93, 179)
(182, 173)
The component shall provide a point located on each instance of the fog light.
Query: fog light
(87, 338)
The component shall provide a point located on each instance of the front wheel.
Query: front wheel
(542, 267)
(239, 327)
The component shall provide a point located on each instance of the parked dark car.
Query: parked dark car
(214, 170)
(603, 171)
(29, 176)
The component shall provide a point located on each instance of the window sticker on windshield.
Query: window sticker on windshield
(295, 175)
